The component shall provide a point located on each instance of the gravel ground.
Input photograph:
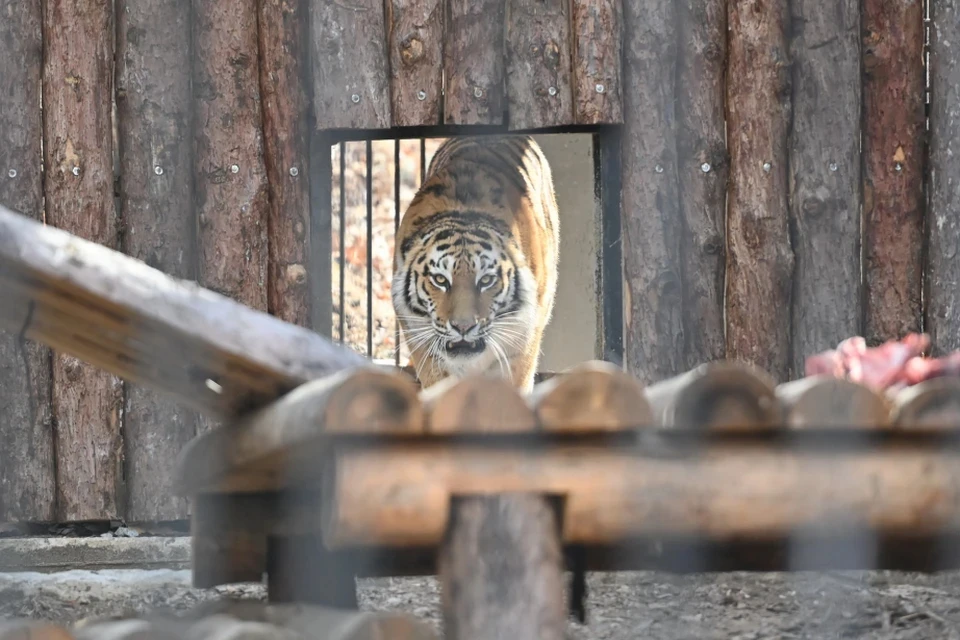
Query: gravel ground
(653, 606)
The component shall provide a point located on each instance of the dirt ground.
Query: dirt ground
(653, 606)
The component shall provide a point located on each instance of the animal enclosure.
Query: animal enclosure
(751, 221)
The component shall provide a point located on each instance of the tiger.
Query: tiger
(476, 259)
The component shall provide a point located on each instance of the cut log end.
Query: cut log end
(933, 405)
(825, 401)
(478, 404)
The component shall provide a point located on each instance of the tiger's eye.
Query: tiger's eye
(486, 281)
(439, 280)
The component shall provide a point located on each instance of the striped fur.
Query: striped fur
(476, 261)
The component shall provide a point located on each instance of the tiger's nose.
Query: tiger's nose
(464, 326)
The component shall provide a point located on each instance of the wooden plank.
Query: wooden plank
(154, 110)
(593, 397)
(285, 130)
(703, 163)
(718, 396)
(465, 406)
(350, 71)
(210, 351)
(825, 184)
(27, 471)
(78, 160)
(501, 570)
(650, 216)
(539, 82)
(942, 270)
(893, 157)
(415, 43)
(597, 46)
(759, 256)
(473, 64)
(270, 448)
(824, 402)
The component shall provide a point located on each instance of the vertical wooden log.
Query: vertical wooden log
(78, 159)
(154, 110)
(351, 87)
(650, 215)
(27, 479)
(703, 165)
(501, 570)
(597, 45)
(416, 60)
(759, 256)
(287, 158)
(893, 158)
(539, 91)
(473, 62)
(230, 178)
(942, 281)
(825, 177)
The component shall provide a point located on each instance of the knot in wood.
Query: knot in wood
(551, 54)
(411, 50)
(814, 207)
(72, 369)
(295, 274)
(713, 52)
(712, 245)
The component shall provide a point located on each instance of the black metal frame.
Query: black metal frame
(607, 186)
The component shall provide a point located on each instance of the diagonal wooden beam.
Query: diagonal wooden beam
(119, 314)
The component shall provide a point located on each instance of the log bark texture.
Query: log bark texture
(351, 85)
(416, 61)
(501, 570)
(79, 177)
(893, 166)
(154, 108)
(474, 62)
(703, 168)
(942, 281)
(759, 255)
(651, 218)
(285, 129)
(597, 47)
(825, 177)
(27, 471)
(539, 91)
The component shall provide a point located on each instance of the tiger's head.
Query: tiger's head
(463, 294)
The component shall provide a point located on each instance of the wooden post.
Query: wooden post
(650, 213)
(282, 38)
(301, 569)
(825, 178)
(154, 108)
(597, 46)
(473, 62)
(893, 166)
(759, 256)
(416, 60)
(702, 166)
(501, 569)
(27, 461)
(539, 89)
(942, 297)
(78, 170)
(222, 551)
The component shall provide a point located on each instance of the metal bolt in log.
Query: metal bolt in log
(825, 401)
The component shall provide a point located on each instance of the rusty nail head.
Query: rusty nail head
(600, 88)
(158, 170)
(552, 91)
(477, 92)
(294, 172)
(421, 95)
(355, 97)
(12, 173)
(705, 167)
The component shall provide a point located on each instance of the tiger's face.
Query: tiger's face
(463, 299)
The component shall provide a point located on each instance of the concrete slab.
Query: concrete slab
(62, 554)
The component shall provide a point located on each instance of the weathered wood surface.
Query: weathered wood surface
(721, 490)
(893, 167)
(220, 552)
(501, 570)
(272, 447)
(703, 169)
(825, 181)
(759, 256)
(942, 279)
(473, 62)
(415, 43)
(821, 402)
(27, 480)
(282, 39)
(78, 189)
(539, 91)
(716, 397)
(154, 109)
(119, 314)
(590, 398)
(597, 47)
(932, 405)
(468, 406)
(301, 569)
(651, 218)
(350, 70)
